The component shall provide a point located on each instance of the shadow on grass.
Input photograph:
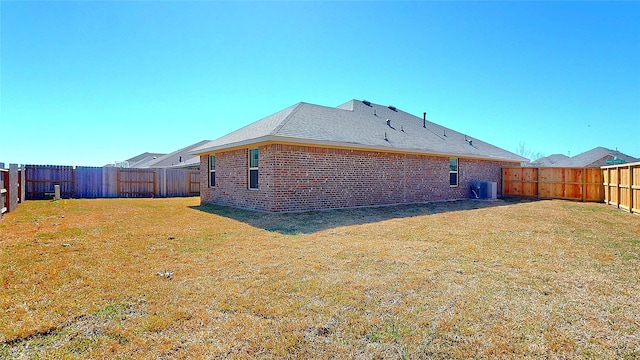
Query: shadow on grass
(313, 221)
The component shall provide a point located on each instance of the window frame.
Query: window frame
(212, 171)
(455, 172)
(253, 169)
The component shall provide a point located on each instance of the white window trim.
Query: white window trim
(212, 170)
(253, 168)
(457, 172)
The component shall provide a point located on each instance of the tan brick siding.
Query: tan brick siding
(297, 178)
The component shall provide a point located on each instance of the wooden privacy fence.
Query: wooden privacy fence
(622, 186)
(107, 182)
(11, 188)
(581, 184)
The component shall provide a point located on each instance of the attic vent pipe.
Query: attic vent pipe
(424, 120)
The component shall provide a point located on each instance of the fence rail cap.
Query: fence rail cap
(620, 165)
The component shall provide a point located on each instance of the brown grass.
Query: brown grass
(550, 279)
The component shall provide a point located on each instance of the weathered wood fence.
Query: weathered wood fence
(580, 184)
(108, 182)
(622, 186)
(4, 178)
(11, 188)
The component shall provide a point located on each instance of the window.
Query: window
(453, 172)
(253, 169)
(212, 171)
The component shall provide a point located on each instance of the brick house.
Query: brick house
(309, 157)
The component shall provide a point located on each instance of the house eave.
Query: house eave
(271, 139)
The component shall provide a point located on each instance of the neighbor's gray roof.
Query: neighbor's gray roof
(550, 160)
(594, 158)
(180, 158)
(358, 125)
(144, 157)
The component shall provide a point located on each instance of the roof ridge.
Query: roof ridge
(287, 118)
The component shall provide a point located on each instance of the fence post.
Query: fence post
(23, 181)
(164, 183)
(619, 186)
(583, 183)
(12, 189)
(630, 182)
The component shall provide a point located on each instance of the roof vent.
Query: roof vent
(393, 108)
(366, 102)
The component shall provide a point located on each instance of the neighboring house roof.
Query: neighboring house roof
(594, 158)
(550, 160)
(361, 125)
(179, 158)
(143, 156)
(143, 162)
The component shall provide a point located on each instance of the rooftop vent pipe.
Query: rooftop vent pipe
(389, 124)
(393, 108)
(424, 120)
(366, 102)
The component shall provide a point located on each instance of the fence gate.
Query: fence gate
(41, 179)
(136, 182)
(194, 183)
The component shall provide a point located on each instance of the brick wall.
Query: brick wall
(232, 180)
(295, 178)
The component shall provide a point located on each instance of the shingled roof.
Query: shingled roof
(550, 160)
(359, 125)
(180, 158)
(595, 157)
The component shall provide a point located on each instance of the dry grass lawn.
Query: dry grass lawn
(505, 279)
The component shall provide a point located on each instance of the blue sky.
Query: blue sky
(90, 83)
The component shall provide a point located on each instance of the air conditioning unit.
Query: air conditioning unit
(488, 190)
